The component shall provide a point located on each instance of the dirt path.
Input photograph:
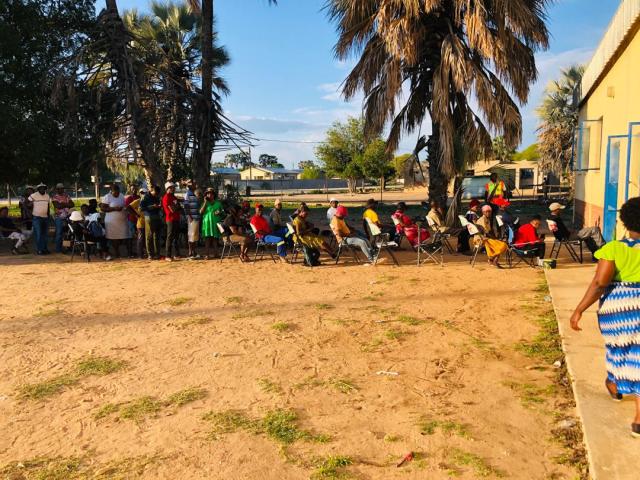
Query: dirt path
(270, 372)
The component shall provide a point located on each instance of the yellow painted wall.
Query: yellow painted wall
(616, 101)
(256, 174)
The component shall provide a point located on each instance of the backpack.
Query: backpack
(311, 256)
(95, 229)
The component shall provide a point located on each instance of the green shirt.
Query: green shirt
(626, 258)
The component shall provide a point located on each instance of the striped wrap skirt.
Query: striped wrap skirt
(619, 321)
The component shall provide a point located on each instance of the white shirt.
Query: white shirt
(40, 204)
(331, 213)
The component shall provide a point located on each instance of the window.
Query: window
(588, 145)
(526, 178)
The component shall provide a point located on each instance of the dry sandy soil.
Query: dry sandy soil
(249, 340)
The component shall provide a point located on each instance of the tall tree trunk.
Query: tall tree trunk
(202, 164)
(438, 181)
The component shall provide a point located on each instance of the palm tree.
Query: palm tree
(558, 114)
(443, 53)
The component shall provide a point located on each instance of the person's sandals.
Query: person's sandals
(635, 430)
(615, 396)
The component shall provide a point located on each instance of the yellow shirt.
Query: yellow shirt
(371, 215)
(135, 206)
(339, 227)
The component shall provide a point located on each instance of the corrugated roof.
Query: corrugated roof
(623, 21)
(225, 171)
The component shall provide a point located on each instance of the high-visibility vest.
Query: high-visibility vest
(499, 189)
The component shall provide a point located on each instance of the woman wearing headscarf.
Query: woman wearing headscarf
(407, 225)
(489, 236)
(617, 285)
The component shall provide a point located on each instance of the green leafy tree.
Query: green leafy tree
(237, 160)
(341, 153)
(400, 162)
(306, 164)
(502, 151)
(311, 173)
(266, 160)
(462, 61)
(375, 163)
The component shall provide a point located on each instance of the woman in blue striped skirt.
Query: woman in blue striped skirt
(617, 285)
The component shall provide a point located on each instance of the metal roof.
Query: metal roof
(619, 29)
(225, 171)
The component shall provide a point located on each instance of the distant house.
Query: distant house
(522, 177)
(226, 174)
(268, 173)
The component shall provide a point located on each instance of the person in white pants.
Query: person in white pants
(9, 230)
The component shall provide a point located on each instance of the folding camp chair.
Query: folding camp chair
(261, 246)
(400, 234)
(297, 246)
(570, 245)
(438, 235)
(342, 246)
(473, 231)
(228, 245)
(380, 241)
(523, 253)
(430, 249)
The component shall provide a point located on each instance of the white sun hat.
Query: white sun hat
(76, 216)
(169, 185)
(556, 206)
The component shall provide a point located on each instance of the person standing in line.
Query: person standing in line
(616, 285)
(212, 213)
(132, 217)
(26, 207)
(115, 220)
(62, 204)
(134, 209)
(171, 207)
(151, 206)
(40, 213)
(192, 211)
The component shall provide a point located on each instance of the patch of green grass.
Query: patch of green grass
(389, 438)
(394, 334)
(343, 385)
(233, 300)
(310, 382)
(430, 426)
(371, 298)
(269, 386)
(251, 314)
(323, 306)
(99, 366)
(546, 345)
(332, 468)
(531, 395)
(185, 396)
(176, 302)
(229, 421)
(43, 468)
(137, 410)
(199, 320)
(281, 326)
(481, 467)
(280, 425)
(409, 320)
(106, 410)
(49, 312)
(47, 388)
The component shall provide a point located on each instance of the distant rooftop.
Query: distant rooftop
(225, 171)
(282, 171)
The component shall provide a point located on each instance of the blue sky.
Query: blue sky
(284, 78)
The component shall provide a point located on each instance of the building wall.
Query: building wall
(608, 110)
(255, 174)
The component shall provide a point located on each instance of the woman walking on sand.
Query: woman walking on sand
(617, 285)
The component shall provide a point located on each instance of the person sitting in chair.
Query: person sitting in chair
(489, 237)
(304, 231)
(408, 226)
(527, 237)
(263, 232)
(9, 230)
(371, 215)
(592, 236)
(234, 228)
(344, 235)
(88, 229)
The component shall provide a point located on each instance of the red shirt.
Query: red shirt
(526, 234)
(169, 216)
(127, 201)
(261, 224)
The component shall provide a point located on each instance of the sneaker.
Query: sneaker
(168, 259)
(108, 258)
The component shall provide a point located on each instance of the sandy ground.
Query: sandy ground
(414, 195)
(210, 325)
